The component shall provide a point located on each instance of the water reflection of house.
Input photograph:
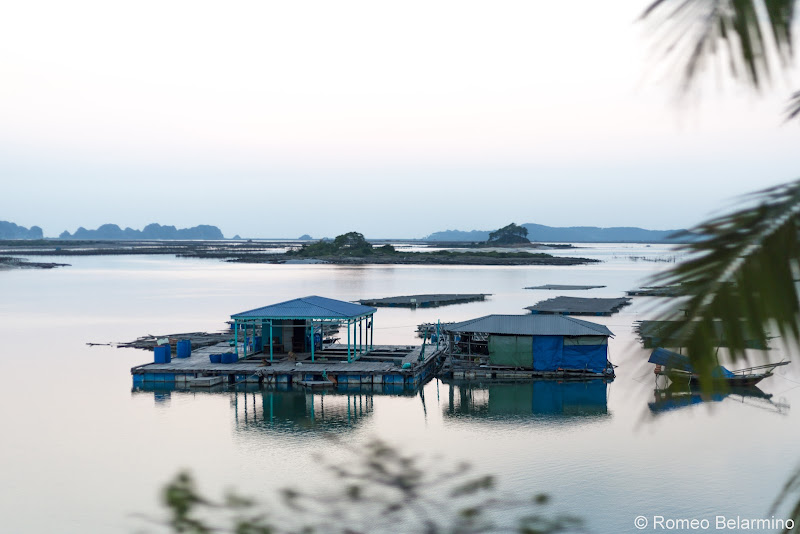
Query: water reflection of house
(536, 398)
(298, 410)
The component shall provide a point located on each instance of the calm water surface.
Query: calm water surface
(81, 452)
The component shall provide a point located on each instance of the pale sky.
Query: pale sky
(395, 119)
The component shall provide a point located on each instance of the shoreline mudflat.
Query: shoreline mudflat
(265, 252)
(9, 262)
(423, 258)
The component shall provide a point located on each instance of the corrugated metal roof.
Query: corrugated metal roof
(531, 325)
(311, 307)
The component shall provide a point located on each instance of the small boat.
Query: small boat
(678, 368)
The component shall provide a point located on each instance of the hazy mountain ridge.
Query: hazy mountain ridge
(584, 234)
(151, 231)
(9, 230)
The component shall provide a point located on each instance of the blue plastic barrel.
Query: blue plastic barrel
(215, 358)
(161, 354)
(229, 357)
(184, 348)
(258, 344)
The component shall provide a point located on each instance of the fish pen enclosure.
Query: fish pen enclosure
(425, 301)
(653, 334)
(579, 306)
(562, 287)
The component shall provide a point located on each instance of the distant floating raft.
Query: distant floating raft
(656, 291)
(557, 287)
(425, 301)
(579, 306)
(662, 334)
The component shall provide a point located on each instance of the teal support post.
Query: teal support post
(360, 332)
(271, 348)
(348, 341)
(236, 337)
(371, 331)
(312, 351)
(438, 334)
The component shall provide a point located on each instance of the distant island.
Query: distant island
(9, 230)
(572, 234)
(353, 248)
(151, 231)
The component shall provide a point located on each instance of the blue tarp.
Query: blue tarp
(670, 359)
(551, 354)
(547, 352)
(722, 372)
(590, 357)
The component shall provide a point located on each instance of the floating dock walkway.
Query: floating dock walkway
(425, 301)
(385, 367)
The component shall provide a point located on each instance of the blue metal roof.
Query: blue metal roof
(312, 307)
(531, 325)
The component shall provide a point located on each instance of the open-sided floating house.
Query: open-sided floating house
(509, 346)
(296, 325)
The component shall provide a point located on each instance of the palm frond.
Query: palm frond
(741, 272)
(751, 32)
(791, 487)
(793, 108)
